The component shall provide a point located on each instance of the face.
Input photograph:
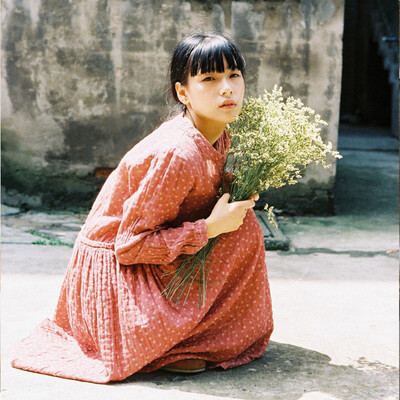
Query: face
(215, 96)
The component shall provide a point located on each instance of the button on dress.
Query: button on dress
(111, 320)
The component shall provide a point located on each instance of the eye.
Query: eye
(207, 79)
(234, 75)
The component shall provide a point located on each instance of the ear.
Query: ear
(181, 92)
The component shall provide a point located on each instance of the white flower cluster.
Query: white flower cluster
(273, 141)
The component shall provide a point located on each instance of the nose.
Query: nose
(226, 89)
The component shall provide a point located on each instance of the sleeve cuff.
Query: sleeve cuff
(199, 237)
(201, 230)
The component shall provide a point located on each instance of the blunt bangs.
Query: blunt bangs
(208, 56)
(203, 53)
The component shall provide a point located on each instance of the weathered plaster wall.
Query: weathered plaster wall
(83, 81)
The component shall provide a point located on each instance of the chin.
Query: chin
(227, 118)
(231, 118)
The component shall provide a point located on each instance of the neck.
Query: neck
(211, 130)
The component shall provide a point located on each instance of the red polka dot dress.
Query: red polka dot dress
(111, 320)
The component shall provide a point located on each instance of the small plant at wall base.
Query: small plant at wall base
(272, 143)
(49, 241)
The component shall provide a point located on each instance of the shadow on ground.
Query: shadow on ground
(284, 372)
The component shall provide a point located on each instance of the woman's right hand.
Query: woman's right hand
(227, 217)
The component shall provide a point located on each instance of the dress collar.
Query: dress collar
(216, 152)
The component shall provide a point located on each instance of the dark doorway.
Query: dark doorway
(370, 65)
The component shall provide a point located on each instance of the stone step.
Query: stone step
(274, 238)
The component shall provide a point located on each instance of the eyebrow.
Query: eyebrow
(215, 72)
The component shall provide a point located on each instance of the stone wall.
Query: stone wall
(84, 81)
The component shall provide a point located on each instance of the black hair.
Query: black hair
(203, 52)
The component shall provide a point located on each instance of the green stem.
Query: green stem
(187, 272)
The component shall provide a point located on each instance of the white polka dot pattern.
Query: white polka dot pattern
(111, 320)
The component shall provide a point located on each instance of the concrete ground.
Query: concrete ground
(335, 298)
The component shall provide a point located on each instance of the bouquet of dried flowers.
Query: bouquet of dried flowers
(272, 142)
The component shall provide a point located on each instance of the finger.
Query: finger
(246, 203)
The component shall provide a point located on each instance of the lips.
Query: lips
(228, 103)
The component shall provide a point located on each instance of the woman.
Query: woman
(160, 203)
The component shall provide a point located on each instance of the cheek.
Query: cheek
(200, 93)
(240, 87)
(241, 96)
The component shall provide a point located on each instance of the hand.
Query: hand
(227, 217)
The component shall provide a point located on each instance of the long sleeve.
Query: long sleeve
(156, 200)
